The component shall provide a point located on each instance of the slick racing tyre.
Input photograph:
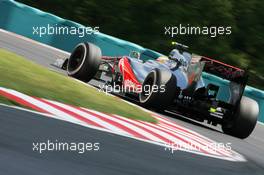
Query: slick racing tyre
(244, 121)
(84, 61)
(158, 89)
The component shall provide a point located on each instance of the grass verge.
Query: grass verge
(24, 76)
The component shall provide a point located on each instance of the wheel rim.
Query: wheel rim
(149, 81)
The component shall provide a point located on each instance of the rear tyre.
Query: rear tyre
(245, 119)
(84, 61)
(158, 89)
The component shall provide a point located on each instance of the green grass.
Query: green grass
(24, 76)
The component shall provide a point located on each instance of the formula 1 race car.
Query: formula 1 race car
(172, 83)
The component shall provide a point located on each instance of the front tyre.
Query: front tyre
(245, 119)
(84, 61)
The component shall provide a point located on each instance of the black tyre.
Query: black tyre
(244, 121)
(158, 89)
(84, 61)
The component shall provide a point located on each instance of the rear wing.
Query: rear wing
(237, 77)
(225, 71)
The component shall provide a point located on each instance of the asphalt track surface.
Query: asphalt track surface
(117, 155)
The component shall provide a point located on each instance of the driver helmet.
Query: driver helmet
(178, 57)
